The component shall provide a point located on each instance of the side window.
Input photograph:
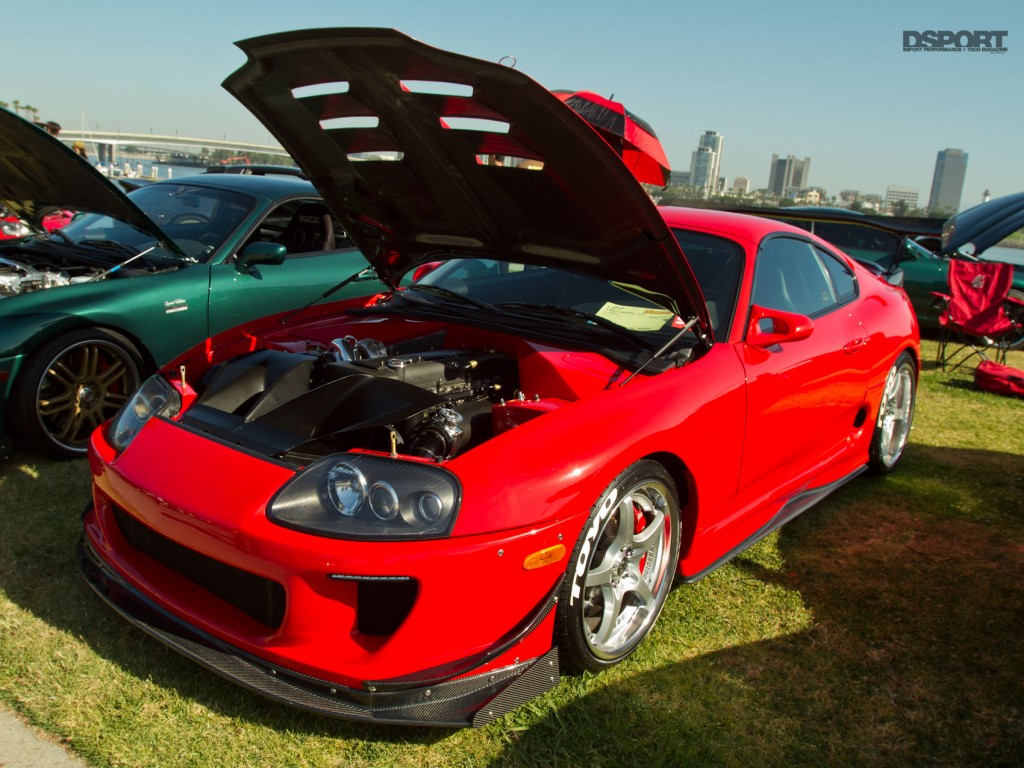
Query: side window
(790, 276)
(842, 277)
(302, 226)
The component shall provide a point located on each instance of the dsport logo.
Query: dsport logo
(964, 41)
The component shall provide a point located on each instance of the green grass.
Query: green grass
(883, 627)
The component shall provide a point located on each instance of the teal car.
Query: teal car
(87, 312)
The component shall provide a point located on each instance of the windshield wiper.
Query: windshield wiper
(60, 233)
(560, 311)
(111, 245)
(662, 349)
(448, 293)
(361, 274)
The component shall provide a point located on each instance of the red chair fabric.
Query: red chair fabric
(975, 316)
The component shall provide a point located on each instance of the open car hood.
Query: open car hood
(39, 172)
(984, 225)
(426, 154)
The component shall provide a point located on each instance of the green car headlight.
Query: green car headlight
(357, 496)
(154, 398)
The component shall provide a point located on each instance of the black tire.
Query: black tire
(895, 416)
(618, 576)
(71, 385)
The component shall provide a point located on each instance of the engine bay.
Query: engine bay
(415, 399)
(25, 274)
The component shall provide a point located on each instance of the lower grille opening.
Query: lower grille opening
(257, 597)
(383, 602)
(383, 605)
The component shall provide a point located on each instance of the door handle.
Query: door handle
(855, 346)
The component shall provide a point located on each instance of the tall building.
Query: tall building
(741, 186)
(788, 176)
(706, 162)
(948, 181)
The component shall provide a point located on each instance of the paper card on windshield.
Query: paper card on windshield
(635, 318)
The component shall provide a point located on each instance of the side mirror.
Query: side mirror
(769, 327)
(261, 253)
(895, 278)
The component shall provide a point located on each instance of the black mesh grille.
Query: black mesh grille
(257, 597)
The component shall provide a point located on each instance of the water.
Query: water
(1002, 253)
(147, 169)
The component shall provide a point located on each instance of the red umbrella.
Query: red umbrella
(631, 136)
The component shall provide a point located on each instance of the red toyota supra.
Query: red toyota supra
(420, 508)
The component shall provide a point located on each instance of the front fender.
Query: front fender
(556, 466)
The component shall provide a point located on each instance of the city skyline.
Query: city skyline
(862, 107)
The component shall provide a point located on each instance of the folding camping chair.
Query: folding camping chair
(975, 316)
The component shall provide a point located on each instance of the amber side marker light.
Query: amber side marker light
(544, 557)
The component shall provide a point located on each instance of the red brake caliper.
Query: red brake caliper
(639, 523)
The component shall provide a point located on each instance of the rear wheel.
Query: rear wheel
(70, 386)
(895, 415)
(621, 569)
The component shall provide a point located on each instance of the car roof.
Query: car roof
(277, 185)
(736, 225)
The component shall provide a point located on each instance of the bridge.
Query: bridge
(106, 141)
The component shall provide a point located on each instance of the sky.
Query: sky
(825, 80)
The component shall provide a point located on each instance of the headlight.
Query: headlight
(154, 398)
(15, 229)
(355, 496)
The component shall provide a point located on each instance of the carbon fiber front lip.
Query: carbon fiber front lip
(468, 701)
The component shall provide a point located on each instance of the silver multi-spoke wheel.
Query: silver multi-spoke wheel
(622, 569)
(71, 386)
(895, 415)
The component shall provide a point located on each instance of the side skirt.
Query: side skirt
(796, 506)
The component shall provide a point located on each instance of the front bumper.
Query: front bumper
(470, 700)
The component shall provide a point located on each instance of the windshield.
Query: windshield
(198, 219)
(525, 295)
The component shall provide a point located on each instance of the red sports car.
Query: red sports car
(420, 509)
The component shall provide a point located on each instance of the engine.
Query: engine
(18, 278)
(431, 404)
(21, 277)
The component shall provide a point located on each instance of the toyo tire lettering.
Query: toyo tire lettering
(621, 569)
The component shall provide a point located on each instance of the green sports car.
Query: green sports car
(88, 311)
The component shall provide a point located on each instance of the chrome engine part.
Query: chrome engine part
(16, 277)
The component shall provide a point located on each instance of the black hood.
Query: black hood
(984, 225)
(390, 132)
(39, 172)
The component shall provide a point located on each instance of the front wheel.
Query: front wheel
(70, 386)
(621, 569)
(895, 415)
